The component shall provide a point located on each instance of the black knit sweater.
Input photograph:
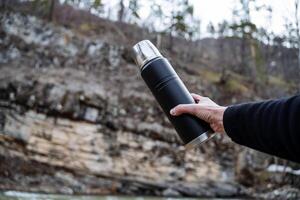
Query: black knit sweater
(270, 126)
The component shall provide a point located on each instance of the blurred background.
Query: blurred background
(77, 119)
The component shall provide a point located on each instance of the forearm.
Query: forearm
(271, 126)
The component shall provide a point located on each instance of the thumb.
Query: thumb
(184, 108)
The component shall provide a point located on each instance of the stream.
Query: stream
(15, 195)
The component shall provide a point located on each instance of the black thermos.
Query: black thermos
(169, 91)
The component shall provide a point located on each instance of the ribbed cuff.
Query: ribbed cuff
(232, 124)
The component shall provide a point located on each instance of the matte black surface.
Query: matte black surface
(270, 126)
(169, 91)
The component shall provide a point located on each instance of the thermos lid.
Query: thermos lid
(145, 51)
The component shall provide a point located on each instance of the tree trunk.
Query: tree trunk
(51, 10)
(121, 11)
(298, 36)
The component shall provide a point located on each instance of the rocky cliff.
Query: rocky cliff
(75, 117)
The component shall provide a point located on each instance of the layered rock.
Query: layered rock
(76, 106)
(75, 112)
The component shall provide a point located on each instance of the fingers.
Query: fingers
(184, 108)
(192, 109)
(196, 96)
(199, 98)
(204, 101)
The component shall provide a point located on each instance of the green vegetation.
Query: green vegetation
(235, 83)
(235, 86)
(210, 76)
(253, 49)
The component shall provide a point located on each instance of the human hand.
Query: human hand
(204, 109)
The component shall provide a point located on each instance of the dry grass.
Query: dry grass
(278, 82)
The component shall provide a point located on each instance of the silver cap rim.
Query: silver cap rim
(199, 140)
(145, 51)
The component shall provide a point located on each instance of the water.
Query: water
(14, 195)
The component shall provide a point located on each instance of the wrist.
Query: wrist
(219, 126)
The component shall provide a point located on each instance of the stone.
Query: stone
(282, 193)
(16, 129)
(91, 114)
(165, 160)
(223, 189)
(171, 193)
(93, 48)
(68, 178)
(65, 190)
(59, 137)
(2, 120)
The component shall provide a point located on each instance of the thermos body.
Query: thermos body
(169, 91)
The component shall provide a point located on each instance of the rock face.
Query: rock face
(77, 106)
(75, 117)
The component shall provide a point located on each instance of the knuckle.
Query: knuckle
(205, 98)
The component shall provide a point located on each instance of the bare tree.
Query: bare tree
(252, 59)
(51, 10)
(121, 11)
(292, 24)
(297, 32)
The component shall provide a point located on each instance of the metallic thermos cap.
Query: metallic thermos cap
(145, 51)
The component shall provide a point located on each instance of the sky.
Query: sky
(215, 11)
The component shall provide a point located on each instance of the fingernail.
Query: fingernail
(172, 111)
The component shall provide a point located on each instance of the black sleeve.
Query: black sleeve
(271, 126)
